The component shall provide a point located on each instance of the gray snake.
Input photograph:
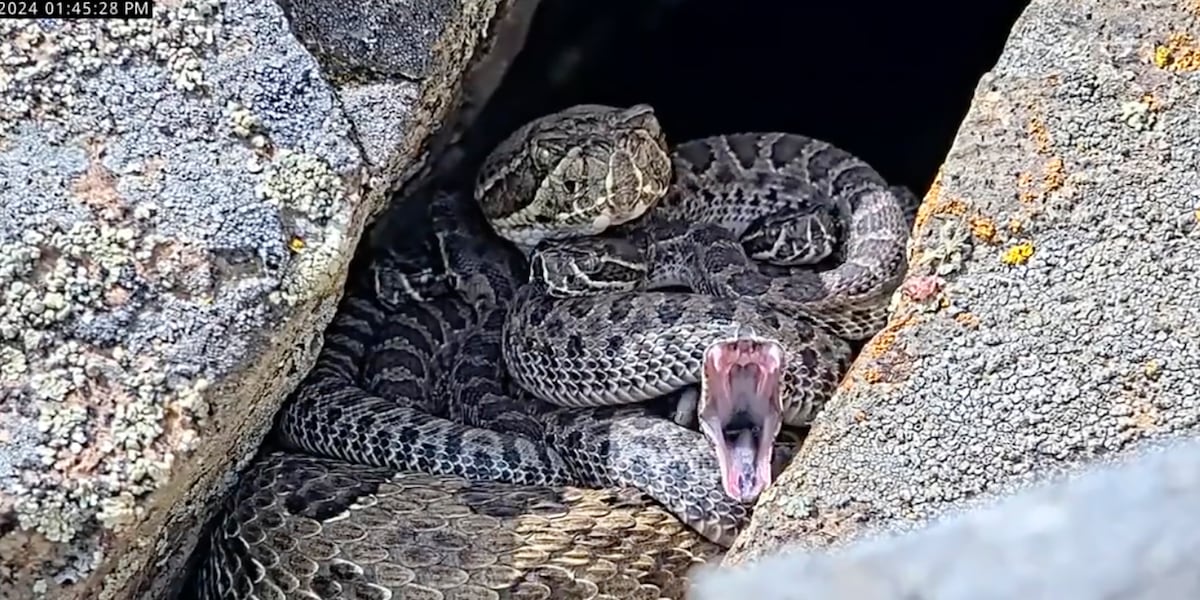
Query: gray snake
(767, 350)
(422, 391)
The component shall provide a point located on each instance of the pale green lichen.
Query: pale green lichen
(42, 70)
(17, 259)
(117, 512)
(1139, 114)
(247, 126)
(57, 513)
(29, 306)
(304, 183)
(191, 398)
(316, 268)
(12, 364)
(63, 425)
(86, 265)
(945, 252)
(242, 120)
(51, 385)
(45, 281)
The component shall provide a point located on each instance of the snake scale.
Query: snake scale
(447, 445)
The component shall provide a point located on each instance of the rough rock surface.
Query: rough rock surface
(1052, 309)
(1128, 532)
(179, 198)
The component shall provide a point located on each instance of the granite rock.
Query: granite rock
(1123, 531)
(179, 199)
(1052, 304)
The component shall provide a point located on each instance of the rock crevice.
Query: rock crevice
(181, 199)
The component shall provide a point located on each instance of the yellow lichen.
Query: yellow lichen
(1040, 134)
(939, 206)
(872, 375)
(1179, 53)
(296, 244)
(1161, 56)
(1018, 254)
(968, 320)
(1053, 175)
(983, 228)
(1152, 369)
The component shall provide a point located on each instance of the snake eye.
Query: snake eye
(571, 186)
(541, 218)
(588, 263)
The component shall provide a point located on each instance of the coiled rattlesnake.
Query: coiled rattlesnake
(416, 392)
(595, 335)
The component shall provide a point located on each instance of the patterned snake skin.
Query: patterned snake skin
(391, 420)
(309, 527)
(593, 333)
(431, 474)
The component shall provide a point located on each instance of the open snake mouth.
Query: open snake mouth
(741, 411)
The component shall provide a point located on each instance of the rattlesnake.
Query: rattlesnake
(367, 401)
(592, 334)
(311, 526)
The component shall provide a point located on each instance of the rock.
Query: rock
(374, 50)
(1052, 306)
(179, 198)
(1122, 532)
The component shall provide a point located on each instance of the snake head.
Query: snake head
(792, 238)
(574, 173)
(741, 410)
(588, 266)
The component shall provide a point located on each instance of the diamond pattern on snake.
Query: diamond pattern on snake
(486, 417)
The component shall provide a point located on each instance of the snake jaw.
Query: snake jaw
(741, 411)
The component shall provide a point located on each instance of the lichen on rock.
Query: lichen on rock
(100, 409)
(135, 270)
(181, 198)
(303, 183)
(44, 63)
(1060, 332)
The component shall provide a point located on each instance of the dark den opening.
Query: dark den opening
(888, 82)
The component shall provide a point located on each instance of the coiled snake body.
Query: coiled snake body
(432, 474)
(762, 347)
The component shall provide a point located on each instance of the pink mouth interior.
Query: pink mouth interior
(741, 412)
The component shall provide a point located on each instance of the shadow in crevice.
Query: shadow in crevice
(889, 82)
